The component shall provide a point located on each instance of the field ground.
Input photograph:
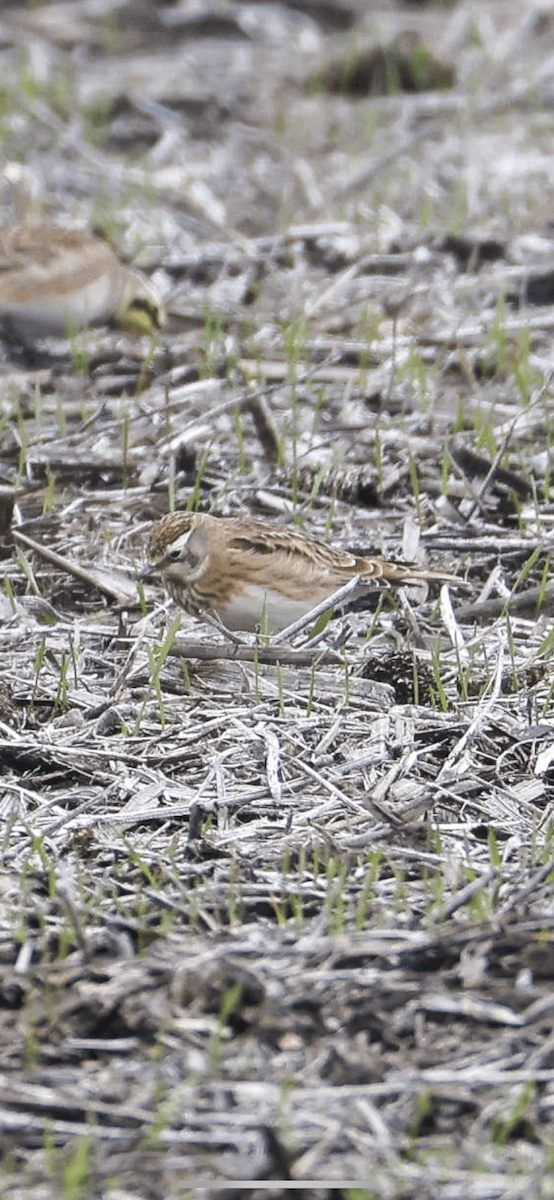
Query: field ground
(285, 921)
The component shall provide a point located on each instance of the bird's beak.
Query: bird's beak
(148, 572)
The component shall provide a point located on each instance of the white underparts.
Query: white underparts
(257, 605)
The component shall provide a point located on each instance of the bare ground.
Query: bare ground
(283, 918)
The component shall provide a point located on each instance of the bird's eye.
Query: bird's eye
(174, 556)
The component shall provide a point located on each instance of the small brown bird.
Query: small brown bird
(249, 573)
(54, 281)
